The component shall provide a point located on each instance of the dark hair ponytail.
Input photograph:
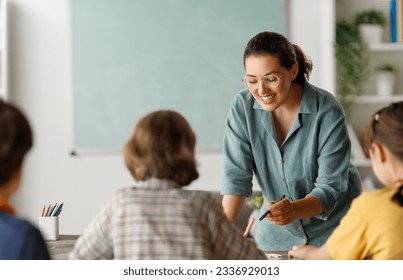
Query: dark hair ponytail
(275, 44)
(304, 65)
(398, 196)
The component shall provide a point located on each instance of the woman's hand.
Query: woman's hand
(284, 211)
(281, 212)
(308, 252)
(299, 252)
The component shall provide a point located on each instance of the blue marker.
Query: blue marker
(57, 212)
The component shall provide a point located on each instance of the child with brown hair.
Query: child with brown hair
(157, 219)
(373, 227)
(19, 240)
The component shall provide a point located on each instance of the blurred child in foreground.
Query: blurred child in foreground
(19, 240)
(156, 218)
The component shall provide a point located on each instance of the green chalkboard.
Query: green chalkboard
(131, 57)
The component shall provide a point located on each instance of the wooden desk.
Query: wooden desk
(277, 255)
(61, 248)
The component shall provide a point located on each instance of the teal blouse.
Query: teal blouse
(313, 159)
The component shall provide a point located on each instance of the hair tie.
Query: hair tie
(376, 117)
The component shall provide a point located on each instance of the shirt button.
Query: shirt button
(282, 179)
(280, 162)
(304, 239)
(299, 228)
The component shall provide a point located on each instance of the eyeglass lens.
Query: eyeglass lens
(270, 81)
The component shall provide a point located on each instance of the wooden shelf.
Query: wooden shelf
(386, 47)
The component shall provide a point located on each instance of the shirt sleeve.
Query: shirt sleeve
(34, 246)
(333, 161)
(96, 241)
(227, 238)
(237, 152)
(347, 241)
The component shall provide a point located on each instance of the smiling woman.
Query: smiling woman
(270, 124)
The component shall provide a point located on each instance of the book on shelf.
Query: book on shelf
(396, 21)
(399, 8)
(393, 21)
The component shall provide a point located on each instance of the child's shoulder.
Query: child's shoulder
(209, 199)
(203, 195)
(130, 193)
(17, 227)
(376, 196)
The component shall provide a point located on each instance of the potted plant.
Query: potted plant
(254, 202)
(351, 63)
(385, 79)
(371, 23)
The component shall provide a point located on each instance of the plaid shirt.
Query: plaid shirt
(158, 220)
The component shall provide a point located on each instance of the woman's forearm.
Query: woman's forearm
(307, 207)
(232, 205)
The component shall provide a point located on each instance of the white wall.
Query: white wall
(311, 26)
(41, 84)
(3, 51)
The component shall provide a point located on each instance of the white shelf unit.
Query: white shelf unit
(3, 50)
(358, 157)
(385, 47)
(375, 99)
(368, 102)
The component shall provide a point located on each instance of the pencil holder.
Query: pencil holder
(49, 227)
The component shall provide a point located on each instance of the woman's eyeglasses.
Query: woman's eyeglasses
(271, 81)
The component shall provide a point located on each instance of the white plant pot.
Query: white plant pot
(371, 33)
(385, 83)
